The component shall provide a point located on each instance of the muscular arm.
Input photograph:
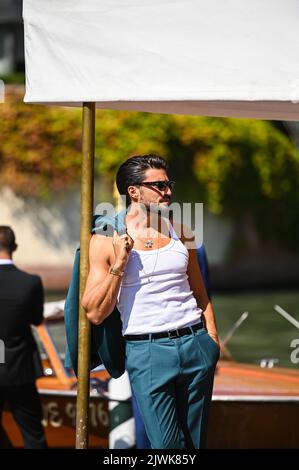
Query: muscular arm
(101, 289)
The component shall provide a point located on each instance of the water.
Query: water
(264, 334)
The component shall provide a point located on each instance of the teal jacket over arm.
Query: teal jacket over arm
(107, 342)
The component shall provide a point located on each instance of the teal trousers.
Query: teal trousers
(172, 379)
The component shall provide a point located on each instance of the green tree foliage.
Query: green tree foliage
(39, 145)
(233, 165)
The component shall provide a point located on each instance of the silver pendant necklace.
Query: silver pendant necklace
(149, 243)
(149, 276)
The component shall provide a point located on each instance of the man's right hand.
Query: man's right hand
(122, 245)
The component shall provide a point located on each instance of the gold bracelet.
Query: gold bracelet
(116, 271)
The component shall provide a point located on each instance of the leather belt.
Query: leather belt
(166, 334)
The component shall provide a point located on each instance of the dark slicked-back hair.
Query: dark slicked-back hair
(7, 239)
(132, 171)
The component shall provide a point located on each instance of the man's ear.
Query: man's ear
(15, 247)
(133, 192)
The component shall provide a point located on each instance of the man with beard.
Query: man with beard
(154, 280)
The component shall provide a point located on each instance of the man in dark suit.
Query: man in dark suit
(21, 304)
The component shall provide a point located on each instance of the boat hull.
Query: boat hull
(59, 420)
(251, 408)
(238, 423)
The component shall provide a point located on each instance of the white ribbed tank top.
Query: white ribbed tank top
(165, 302)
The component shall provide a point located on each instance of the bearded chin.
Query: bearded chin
(157, 209)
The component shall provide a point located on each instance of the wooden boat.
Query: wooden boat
(251, 407)
(57, 390)
(254, 407)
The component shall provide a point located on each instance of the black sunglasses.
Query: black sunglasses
(160, 185)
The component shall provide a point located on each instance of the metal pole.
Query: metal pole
(87, 183)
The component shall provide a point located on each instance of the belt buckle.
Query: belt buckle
(173, 334)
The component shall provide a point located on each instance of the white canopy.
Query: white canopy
(206, 57)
